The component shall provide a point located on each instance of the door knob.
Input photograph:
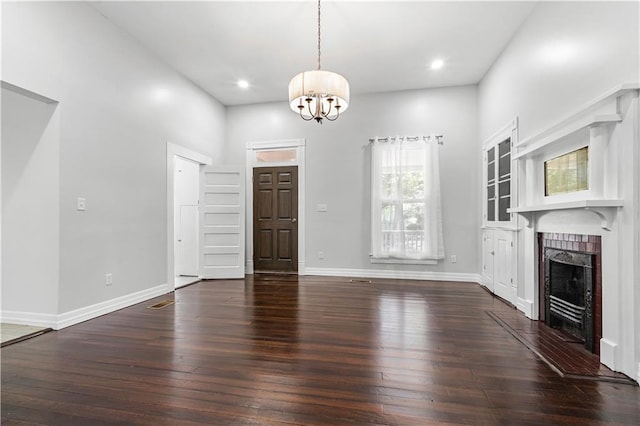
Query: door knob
(294, 220)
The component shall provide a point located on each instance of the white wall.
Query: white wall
(565, 55)
(338, 169)
(118, 107)
(30, 206)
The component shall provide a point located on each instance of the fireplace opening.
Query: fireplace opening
(569, 278)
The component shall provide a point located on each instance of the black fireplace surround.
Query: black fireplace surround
(568, 285)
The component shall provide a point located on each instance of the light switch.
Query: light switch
(81, 204)
(321, 208)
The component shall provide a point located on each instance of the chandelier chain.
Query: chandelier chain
(318, 34)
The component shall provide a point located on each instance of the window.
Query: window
(276, 156)
(406, 219)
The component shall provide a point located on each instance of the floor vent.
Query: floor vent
(360, 281)
(162, 304)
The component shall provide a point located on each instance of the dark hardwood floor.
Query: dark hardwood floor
(308, 350)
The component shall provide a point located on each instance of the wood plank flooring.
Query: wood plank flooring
(307, 350)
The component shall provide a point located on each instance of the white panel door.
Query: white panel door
(187, 241)
(222, 222)
(186, 195)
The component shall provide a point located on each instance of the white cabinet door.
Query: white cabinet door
(488, 256)
(499, 264)
(502, 264)
(222, 222)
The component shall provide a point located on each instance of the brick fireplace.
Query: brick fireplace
(570, 287)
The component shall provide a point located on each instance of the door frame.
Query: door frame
(252, 148)
(174, 150)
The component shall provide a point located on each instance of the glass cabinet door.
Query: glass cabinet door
(491, 185)
(498, 182)
(504, 180)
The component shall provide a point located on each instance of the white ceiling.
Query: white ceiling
(378, 46)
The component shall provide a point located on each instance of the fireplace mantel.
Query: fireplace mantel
(604, 209)
(590, 126)
(538, 144)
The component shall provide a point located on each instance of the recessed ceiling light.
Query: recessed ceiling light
(437, 64)
(243, 84)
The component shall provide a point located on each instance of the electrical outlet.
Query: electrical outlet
(108, 279)
(454, 258)
(81, 204)
(320, 254)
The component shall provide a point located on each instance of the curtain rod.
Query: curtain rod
(409, 138)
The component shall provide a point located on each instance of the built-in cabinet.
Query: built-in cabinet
(499, 262)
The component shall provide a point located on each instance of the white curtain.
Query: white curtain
(406, 215)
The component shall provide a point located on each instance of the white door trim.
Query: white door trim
(172, 151)
(252, 147)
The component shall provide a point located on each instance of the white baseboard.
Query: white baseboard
(30, 318)
(385, 273)
(608, 351)
(525, 306)
(76, 316)
(89, 312)
(248, 267)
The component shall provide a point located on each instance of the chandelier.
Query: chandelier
(319, 94)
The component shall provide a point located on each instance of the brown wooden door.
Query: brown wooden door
(275, 225)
